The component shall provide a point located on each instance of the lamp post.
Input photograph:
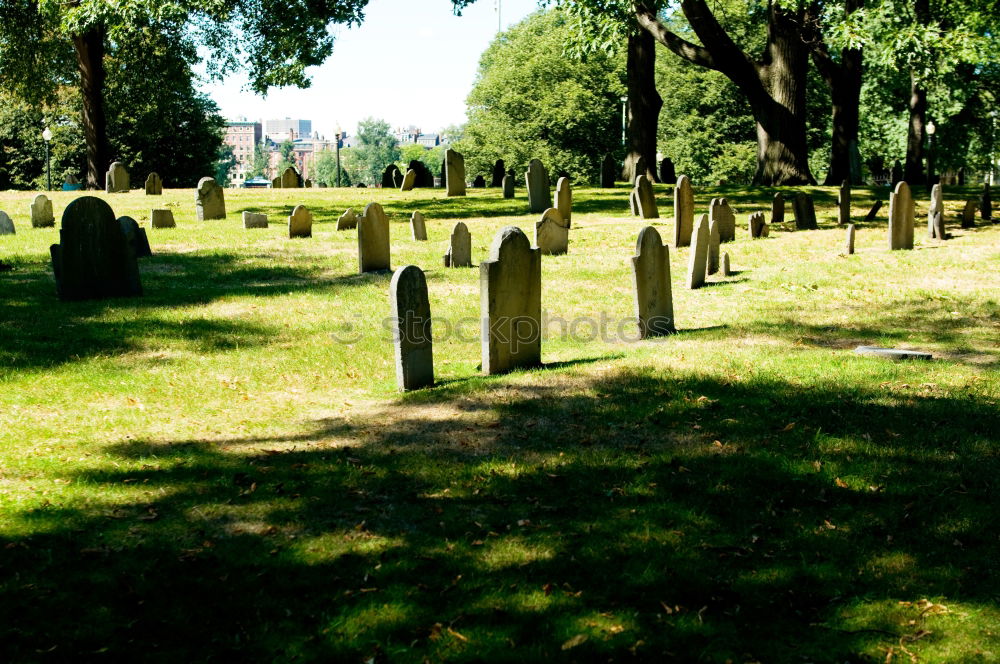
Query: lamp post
(338, 155)
(47, 136)
(624, 101)
(931, 128)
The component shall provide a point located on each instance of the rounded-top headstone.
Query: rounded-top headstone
(6, 225)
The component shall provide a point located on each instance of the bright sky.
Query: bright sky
(412, 62)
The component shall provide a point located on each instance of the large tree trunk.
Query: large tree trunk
(90, 63)
(913, 170)
(644, 104)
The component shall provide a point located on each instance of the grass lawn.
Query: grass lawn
(223, 469)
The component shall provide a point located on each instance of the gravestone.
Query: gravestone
(93, 259)
(757, 225)
(308, 184)
(154, 185)
(844, 203)
(667, 173)
(935, 215)
(874, 211)
(116, 180)
(508, 185)
(499, 171)
(778, 209)
(41, 212)
(254, 220)
(643, 199)
(969, 214)
(361, 185)
(373, 240)
(347, 220)
(424, 177)
(896, 174)
(6, 225)
(537, 181)
(479, 182)
(683, 212)
(162, 219)
(210, 202)
(397, 179)
(510, 298)
(805, 212)
(893, 353)
(418, 227)
(444, 173)
(640, 169)
(850, 239)
(300, 222)
(961, 176)
(726, 270)
(460, 248)
(276, 183)
(699, 253)
(654, 301)
(409, 180)
(712, 260)
(454, 166)
(564, 200)
(986, 203)
(290, 178)
(135, 236)
(411, 332)
(389, 176)
(901, 213)
(552, 233)
(720, 210)
(608, 172)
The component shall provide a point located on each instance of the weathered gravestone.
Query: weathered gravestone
(901, 213)
(805, 212)
(552, 233)
(290, 178)
(210, 202)
(254, 220)
(6, 225)
(726, 270)
(969, 214)
(667, 173)
(874, 211)
(699, 253)
(300, 222)
(499, 171)
(308, 184)
(935, 215)
(93, 259)
(444, 173)
(757, 225)
(479, 182)
(411, 332)
(116, 180)
(510, 299)
(373, 239)
(640, 169)
(41, 212)
(154, 185)
(961, 176)
(508, 185)
(361, 185)
(712, 259)
(720, 210)
(986, 203)
(276, 183)
(536, 178)
(643, 198)
(778, 209)
(633, 202)
(564, 199)
(424, 176)
(844, 203)
(418, 227)
(654, 300)
(850, 239)
(896, 354)
(162, 219)
(896, 174)
(347, 220)
(135, 236)
(460, 248)
(389, 176)
(454, 167)
(608, 172)
(683, 212)
(409, 180)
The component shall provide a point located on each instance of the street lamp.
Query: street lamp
(624, 101)
(47, 136)
(338, 154)
(931, 128)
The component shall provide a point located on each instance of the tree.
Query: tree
(261, 160)
(287, 151)
(325, 168)
(375, 149)
(225, 162)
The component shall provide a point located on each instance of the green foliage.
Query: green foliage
(325, 169)
(375, 149)
(287, 151)
(261, 160)
(225, 162)
(22, 149)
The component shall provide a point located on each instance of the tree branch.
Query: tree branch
(699, 55)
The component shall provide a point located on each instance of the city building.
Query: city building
(413, 134)
(304, 153)
(279, 130)
(242, 135)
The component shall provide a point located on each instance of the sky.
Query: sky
(412, 62)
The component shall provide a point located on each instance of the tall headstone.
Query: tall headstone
(460, 248)
(720, 211)
(901, 213)
(683, 212)
(409, 180)
(539, 191)
(508, 185)
(757, 225)
(552, 233)
(135, 236)
(290, 178)
(850, 239)
(777, 209)
(667, 173)
(93, 259)
(872, 213)
(411, 313)
(844, 203)
(373, 239)
(643, 199)
(117, 180)
(499, 171)
(712, 259)
(300, 222)
(510, 298)
(726, 270)
(254, 220)
(154, 185)
(969, 214)
(347, 221)
(6, 225)
(210, 202)
(397, 179)
(444, 173)
(654, 300)
(41, 212)
(935, 215)
(454, 166)
(986, 203)
(805, 212)
(479, 182)
(961, 176)
(699, 253)
(564, 200)
(162, 219)
(389, 176)
(418, 227)
(609, 170)
(896, 174)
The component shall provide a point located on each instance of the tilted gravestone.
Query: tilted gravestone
(986, 203)
(720, 210)
(373, 240)
(699, 253)
(290, 179)
(757, 225)
(6, 225)
(479, 182)
(805, 212)
(643, 199)
(409, 180)
(901, 214)
(683, 212)
(411, 332)
(454, 164)
(844, 203)
(135, 236)
(609, 169)
(564, 200)
(41, 212)
(347, 221)
(508, 185)
(876, 206)
(154, 185)
(778, 209)
(510, 298)
(389, 176)
(460, 248)
(935, 215)
(418, 227)
(654, 300)
(254, 220)
(93, 259)
(536, 178)
(162, 219)
(300, 222)
(210, 202)
(499, 171)
(667, 173)
(969, 214)
(850, 239)
(116, 180)
(712, 260)
(552, 233)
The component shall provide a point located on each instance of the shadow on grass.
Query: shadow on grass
(634, 516)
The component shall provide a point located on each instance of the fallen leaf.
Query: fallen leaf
(575, 641)
(841, 483)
